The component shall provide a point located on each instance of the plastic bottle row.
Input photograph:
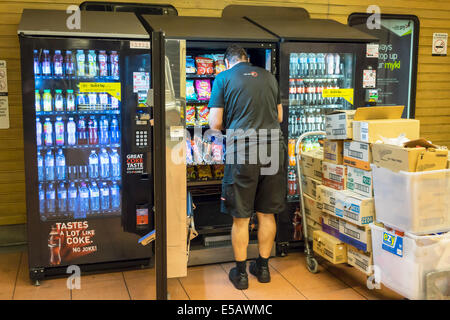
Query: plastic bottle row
(311, 64)
(82, 132)
(53, 167)
(61, 101)
(92, 64)
(72, 197)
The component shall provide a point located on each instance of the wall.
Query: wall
(433, 94)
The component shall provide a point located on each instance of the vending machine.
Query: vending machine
(88, 140)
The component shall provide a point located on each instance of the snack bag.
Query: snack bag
(207, 154)
(190, 90)
(202, 115)
(204, 173)
(219, 63)
(191, 173)
(197, 147)
(203, 89)
(189, 156)
(204, 65)
(218, 170)
(190, 65)
(217, 152)
(190, 115)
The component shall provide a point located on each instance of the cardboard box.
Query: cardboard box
(409, 157)
(333, 151)
(363, 261)
(357, 154)
(354, 208)
(334, 175)
(330, 225)
(357, 236)
(327, 197)
(329, 247)
(360, 181)
(371, 124)
(313, 208)
(311, 164)
(312, 226)
(310, 185)
(338, 124)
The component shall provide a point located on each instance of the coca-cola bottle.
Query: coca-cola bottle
(292, 92)
(300, 91)
(54, 244)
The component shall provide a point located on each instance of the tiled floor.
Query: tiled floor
(290, 281)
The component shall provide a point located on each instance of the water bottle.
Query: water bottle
(62, 198)
(40, 165)
(50, 198)
(71, 132)
(114, 130)
(93, 165)
(303, 61)
(104, 128)
(104, 194)
(115, 164)
(293, 66)
(115, 196)
(94, 195)
(41, 199)
(73, 198)
(330, 63)
(321, 64)
(60, 165)
(312, 62)
(104, 164)
(38, 132)
(83, 200)
(49, 166)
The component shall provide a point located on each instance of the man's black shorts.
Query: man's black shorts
(245, 190)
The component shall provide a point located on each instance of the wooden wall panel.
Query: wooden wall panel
(433, 94)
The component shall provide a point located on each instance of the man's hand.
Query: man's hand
(216, 118)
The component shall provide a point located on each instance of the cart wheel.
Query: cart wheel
(311, 264)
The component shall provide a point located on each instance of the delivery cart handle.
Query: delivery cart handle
(303, 136)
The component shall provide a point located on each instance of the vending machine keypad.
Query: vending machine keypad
(142, 138)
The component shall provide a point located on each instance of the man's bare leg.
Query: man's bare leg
(239, 238)
(267, 229)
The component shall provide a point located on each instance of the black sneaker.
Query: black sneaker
(240, 280)
(260, 272)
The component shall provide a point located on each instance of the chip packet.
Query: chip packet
(190, 90)
(189, 156)
(202, 115)
(204, 173)
(190, 115)
(203, 89)
(197, 147)
(218, 171)
(192, 174)
(219, 63)
(204, 65)
(190, 65)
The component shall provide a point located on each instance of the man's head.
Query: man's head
(234, 55)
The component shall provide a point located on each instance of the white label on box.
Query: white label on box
(372, 50)
(364, 131)
(356, 150)
(360, 181)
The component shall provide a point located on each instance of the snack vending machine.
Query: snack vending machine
(88, 142)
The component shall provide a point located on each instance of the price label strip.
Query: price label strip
(112, 88)
(347, 94)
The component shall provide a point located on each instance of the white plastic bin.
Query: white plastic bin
(415, 202)
(406, 275)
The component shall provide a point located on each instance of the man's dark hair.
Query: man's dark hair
(235, 53)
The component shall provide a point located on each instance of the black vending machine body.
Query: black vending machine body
(88, 143)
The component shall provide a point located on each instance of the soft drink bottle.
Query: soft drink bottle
(73, 198)
(41, 199)
(300, 91)
(49, 166)
(62, 198)
(114, 62)
(292, 92)
(38, 132)
(303, 57)
(70, 100)
(114, 103)
(47, 103)
(81, 63)
(40, 165)
(115, 163)
(337, 64)
(36, 63)
(60, 165)
(58, 63)
(312, 62)
(104, 196)
(82, 132)
(59, 100)
(103, 64)
(50, 196)
(330, 63)
(92, 63)
(83, 200)
(54, 244)
(94, 195)
(69, 64)
(104, 130)
(59, 132)
(103, 97)
(115, 196)
(291, 152)
(93, 165)
(48, 132)
(93, 100)
(37, 101)
(104, 164)
(81, 99)
(93, 131)
(71, 132)
(46, 65)
(114, 130)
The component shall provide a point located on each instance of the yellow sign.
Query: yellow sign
(113, 88)
(347, 94)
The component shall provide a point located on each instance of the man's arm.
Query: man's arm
(216, 118)
(216, 105)
(280, 113)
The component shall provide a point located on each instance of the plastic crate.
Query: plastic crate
(407, 274)
(414, 202)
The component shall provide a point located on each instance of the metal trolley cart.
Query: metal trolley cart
(311, 262)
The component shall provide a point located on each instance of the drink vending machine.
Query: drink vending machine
(88, 142)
